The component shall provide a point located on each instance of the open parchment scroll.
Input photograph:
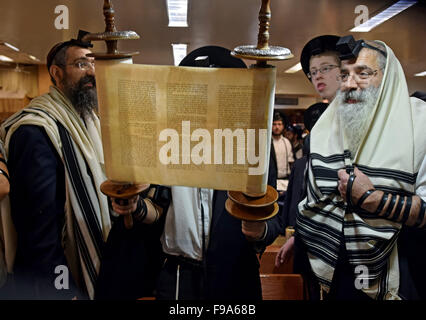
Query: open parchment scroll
(200, 127)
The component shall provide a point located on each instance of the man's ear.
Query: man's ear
(57, 73)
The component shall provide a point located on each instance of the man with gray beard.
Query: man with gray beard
(363, 220)
(355, 116)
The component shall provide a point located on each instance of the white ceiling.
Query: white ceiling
(29, 25)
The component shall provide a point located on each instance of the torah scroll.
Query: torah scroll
(200, 127)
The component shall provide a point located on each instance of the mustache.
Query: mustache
(87, 79)
(354, 95)
(361, 96)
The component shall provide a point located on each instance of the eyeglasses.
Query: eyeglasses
(323, 70)
(359, 77)
(83, 65)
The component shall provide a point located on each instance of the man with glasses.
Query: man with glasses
(360, 81)
(320, 62)
(363, 220)
(56, 167)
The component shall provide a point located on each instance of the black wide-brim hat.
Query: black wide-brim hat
(218, 57)
(313, 113)
(317, 46)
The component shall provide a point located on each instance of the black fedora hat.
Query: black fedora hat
(313, 113)
(212, 56)
(317, 46)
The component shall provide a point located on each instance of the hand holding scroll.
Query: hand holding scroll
(125, 206)
(141, 209)
(253, 230)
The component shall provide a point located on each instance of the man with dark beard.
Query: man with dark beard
(56, 167)
(83, 93)
(362, 220)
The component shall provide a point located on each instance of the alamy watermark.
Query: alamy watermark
(62, 20)
(62, 280)
(361, 279)
(362, 10)
(206, 152)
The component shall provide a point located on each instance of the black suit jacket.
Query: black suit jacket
(37, 200)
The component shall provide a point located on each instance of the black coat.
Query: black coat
(131, 261)
(232, 264)
(37, 199)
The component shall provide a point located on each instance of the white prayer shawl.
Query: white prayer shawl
(84, 232)
(390, 154)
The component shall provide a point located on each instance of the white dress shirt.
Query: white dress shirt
(184, 226)
(284, 156)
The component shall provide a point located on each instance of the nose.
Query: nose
(91, 71)
(349, 84)
(318, 76)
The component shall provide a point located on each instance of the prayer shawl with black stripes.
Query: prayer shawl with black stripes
(79, 146)
(390, 154)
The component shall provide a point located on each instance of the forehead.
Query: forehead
(366, 57)
(75, 53)
(317, 61)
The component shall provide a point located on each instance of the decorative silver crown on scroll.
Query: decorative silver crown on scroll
(262, 52)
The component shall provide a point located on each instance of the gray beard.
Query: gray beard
(355, 117)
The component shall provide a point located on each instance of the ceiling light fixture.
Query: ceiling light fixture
(178, 13)
(294, 69)
(384, 16)
(5, 59)
(179, 52)
(33, 58)
(10, 46)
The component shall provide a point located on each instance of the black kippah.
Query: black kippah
(73, 42)
(278, 117)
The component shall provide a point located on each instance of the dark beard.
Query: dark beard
(84, 99)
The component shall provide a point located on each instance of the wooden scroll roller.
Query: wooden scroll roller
(119, 190)
(244, 205)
